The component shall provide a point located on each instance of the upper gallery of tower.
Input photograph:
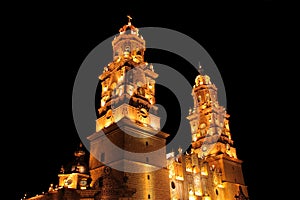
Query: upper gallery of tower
(209, 121)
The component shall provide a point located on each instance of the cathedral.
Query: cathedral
(128, 122)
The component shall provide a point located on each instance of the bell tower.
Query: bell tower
(208, 120)
(213, 155)
(76, 174)
(127, 151)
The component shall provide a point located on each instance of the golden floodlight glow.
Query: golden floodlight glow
(198, 193)
(206, 197)
(208, 169)
(179, 178)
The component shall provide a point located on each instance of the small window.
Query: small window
(217, 192)
(147, 143)
(149, 196)
(147, 159)
(173, 185)
(100, 181)
(148, 177)
(102, 157)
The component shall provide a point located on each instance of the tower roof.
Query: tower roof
(79, 164)
(128, 41)
(79, 152)
(202, 78)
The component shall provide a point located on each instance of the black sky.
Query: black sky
(49, 43)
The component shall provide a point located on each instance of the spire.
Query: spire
(200, 69)
(62, 169)
(129, 19)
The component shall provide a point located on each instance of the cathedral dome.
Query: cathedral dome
(79, 164)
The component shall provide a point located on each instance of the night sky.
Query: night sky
(51, 42)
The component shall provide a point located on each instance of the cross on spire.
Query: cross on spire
(200, 69)
(129, 19)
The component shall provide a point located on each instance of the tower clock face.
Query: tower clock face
(68, 181)
(83, 182)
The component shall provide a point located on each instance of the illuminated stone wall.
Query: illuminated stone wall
(128, 121)
(211, 170)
